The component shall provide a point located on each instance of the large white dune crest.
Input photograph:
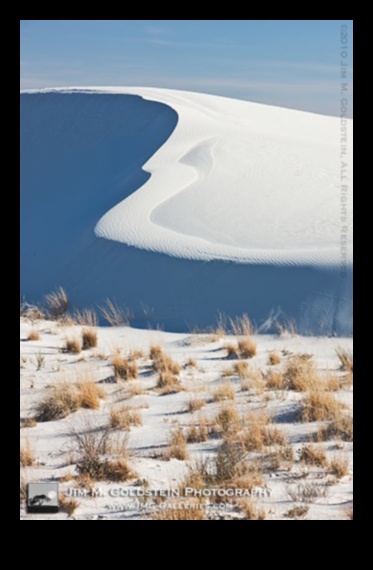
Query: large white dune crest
(127, 193)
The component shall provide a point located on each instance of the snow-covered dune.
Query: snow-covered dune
(182, 205)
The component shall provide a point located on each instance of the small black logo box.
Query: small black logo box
(42, 498)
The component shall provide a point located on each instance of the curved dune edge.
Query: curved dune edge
(196, 169)
(101, 173)
(237, 181)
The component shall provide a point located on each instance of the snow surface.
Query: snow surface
(228, 205)
(54, 446)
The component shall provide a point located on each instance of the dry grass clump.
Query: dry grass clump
(190, 363)
(320, 406)
(346, 359)
(178, 514)
(251, 478)
(177, 445)
(62, 400)
(350, 514)
(124, 369)
(301, 375)
(228, 420)
(86, 317)
(28, 423)
(241, 369)
(283, 457)
(117, 470)
(287, 328)
(68, 505)
(168, 371)
(230, 467)
(198, 432)
(255, 437)
(241, 326)
(26, 454)
(164, 363)
(334, 383)
(57, 303)
(251, 511)
(66, 398)
(168, 383)
(23, 486)
(224, 392)
(195, 404)
(340, 428)
(273, 436)
(134, 389)
(93, 446)
(31, 312)
(90, 394)
(40, 361)
(247, 347)
(298, 512)
(312, 455)
(339, 466)
(231, 462)
(233, 352)
(114, 314)
(136, 354)
(73, 345)
(156, 352)
(34, 334)
(274, 358)
(124, 418)
(275, 380)
(257, 434)
(89, 338)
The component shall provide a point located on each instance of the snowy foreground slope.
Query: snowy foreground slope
(182, 205)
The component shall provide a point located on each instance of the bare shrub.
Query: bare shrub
(306, 492)
(93, 446)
